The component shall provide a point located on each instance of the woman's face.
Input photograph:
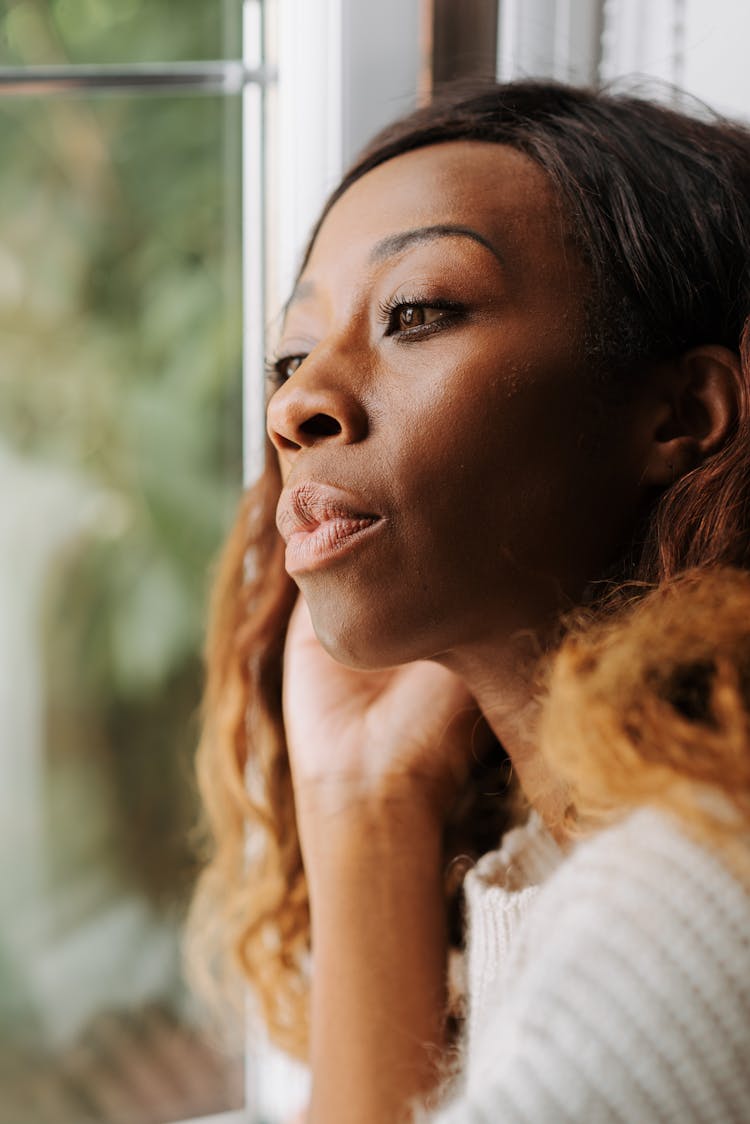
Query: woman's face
(452, 473)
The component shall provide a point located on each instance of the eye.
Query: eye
(414, 319)
(279, 371)
(416, 316)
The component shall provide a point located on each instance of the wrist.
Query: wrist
(348, 807)
(351, 837)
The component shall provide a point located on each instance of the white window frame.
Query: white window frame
(644, 39)
(342, 73)
(558, 39)
(588, 42)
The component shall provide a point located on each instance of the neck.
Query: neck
(504, 684)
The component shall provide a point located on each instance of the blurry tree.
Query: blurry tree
(112, 31)
(120, 368)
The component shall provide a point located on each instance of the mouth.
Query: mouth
(319, 524)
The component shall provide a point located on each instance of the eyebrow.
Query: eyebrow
(394, 244)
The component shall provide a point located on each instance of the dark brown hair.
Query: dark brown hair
(659, 204)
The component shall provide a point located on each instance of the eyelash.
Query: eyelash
(388, 312)
(274, 371)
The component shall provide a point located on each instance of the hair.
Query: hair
(658, 204)
(652, 707)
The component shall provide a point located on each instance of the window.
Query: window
(121, 359)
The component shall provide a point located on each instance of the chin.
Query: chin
(353, 647)
(365, 639)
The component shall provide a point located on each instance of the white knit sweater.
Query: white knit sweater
(612, 984)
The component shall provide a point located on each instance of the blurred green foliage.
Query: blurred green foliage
(120, 402)
(120, 369)
(49, 32)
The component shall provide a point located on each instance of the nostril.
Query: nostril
(284, 444)
(321, 425)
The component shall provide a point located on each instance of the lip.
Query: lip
(319, 524)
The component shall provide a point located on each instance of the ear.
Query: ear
(697, 407)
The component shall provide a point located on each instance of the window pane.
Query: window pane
(120, 464)
(118, 31)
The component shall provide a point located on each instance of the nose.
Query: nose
(314, 407)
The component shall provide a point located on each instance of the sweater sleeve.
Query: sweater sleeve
(629, 993)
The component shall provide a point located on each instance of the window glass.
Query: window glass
(120, 464)
(54, 32)
(714, 46)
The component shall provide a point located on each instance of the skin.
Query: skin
(505, 480)
(503, 486)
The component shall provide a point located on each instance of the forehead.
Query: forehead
(492, 188)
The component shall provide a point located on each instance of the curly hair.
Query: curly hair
(659, 205)
(652, 706)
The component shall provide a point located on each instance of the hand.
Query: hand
(377, 761)
(407, 730)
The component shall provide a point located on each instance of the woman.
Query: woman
(507, 383)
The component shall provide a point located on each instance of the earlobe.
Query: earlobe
(699, 408)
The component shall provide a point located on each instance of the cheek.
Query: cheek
(458, 490)
(498, 468)
(479, 440)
